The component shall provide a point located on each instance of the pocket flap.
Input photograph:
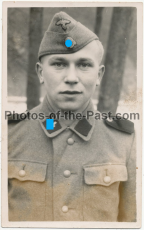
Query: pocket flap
(26, 170)
(104, 174)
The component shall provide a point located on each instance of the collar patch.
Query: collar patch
(83, 127)
(57, 126)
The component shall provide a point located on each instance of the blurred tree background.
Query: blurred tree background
(116, 28)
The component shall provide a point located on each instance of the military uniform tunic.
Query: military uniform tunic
(85, 172)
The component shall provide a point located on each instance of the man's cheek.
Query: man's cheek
(90, 87)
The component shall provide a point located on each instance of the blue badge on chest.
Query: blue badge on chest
(49, 124)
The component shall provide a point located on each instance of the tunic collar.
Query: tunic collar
(83, 128)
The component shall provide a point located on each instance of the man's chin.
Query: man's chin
(70, 107)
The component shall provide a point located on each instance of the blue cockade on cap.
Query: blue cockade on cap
(69, 42)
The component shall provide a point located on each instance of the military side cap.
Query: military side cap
(65, 35)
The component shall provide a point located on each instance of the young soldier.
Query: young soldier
(82, 170)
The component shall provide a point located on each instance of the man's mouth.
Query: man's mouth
(70, 92)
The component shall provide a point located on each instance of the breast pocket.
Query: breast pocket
(26, 190)
(101, 191)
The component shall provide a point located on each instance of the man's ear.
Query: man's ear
(100, 74)
(39, 71)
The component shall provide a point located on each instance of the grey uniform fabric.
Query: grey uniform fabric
(72, 173)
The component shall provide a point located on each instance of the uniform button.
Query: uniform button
(67, 173)
(107, 179)
(70, 141)
(22, 173)
(110, 120)
(65, 209)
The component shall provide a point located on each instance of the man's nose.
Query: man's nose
(71, 75)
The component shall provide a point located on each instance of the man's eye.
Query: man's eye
(84, 65)
(59, 64)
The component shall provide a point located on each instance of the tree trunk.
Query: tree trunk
(98, 20)
(115, 59)
(35, 36)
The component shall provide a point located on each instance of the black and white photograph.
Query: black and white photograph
(72, 115)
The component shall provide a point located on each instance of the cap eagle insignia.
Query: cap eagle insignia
(63, 23)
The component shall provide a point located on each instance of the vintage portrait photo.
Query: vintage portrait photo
(72, 115)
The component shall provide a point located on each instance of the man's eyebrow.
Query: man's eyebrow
(63, 59)
(57, 59)
(86, 59)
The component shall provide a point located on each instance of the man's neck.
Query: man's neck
(68, 116)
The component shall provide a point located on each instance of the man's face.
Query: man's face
(70, 79)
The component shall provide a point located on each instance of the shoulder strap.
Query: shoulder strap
(15, 118)
(119, 124)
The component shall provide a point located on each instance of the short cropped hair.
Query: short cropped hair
(101, 50)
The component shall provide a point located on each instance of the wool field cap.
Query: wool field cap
(65, 35)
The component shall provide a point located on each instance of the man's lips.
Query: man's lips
(70, 92)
